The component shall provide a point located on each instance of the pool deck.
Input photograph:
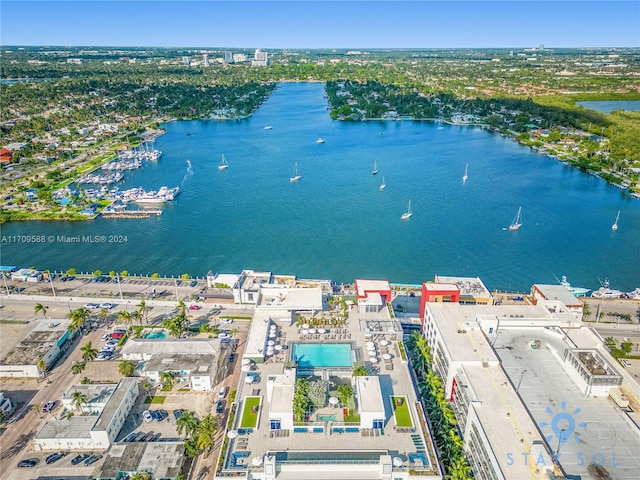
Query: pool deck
(394, 379)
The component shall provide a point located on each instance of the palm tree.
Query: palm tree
(174, 326)
(143, 309)
(103, 314)
(187, 423)
(38, 409)
(135, 315)
(78, 399)
(206, 430)
(167, 377)
(124, 316)
(77, 367)
(38, 307)
(78, 318)
(126, 368)
(88, 352)
(42, 366)
(140, 476)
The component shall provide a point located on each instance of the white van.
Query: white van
(222, 393)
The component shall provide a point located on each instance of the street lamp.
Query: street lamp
(520, 381)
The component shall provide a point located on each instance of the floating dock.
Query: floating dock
(146, 213)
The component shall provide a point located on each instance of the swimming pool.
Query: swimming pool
(158, 334)
(322, 354)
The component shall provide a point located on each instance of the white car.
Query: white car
(147, 416)
(223, 336)
(108, 306)
(91, 306)
(226, 321)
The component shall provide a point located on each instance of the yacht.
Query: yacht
(605, 291)
(575, 291)
(223, 165)
(320, 140)
(406, 215)
(296, 175)
(517, 222)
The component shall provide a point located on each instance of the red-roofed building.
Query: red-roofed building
(438, 292)
(5, 155)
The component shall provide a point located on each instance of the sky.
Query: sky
(312, 24)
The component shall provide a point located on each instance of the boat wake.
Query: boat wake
(188, 174)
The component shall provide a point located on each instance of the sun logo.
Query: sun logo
(563, 424)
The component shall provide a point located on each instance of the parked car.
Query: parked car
(139, 436)
(156, 415)
(48, 406)
(54, 457)
(108, 306)
(79, 458)
(222, 393)
(194, 307)
(146, 415)
(28, 463)
(92, 459)
(120, 330)
(226, 321)
(91, 306)
(193, 283)
(155, 437)
(232, 357)
(220, 406)
(130, 437)
(147, 436)
(106, 337)
(177, 414)
(112, 343)
(117, 335)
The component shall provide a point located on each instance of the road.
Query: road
(25, 422)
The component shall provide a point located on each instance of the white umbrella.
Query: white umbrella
(232, 434)
(385, 343)
(257, 461)
(271, 343)
(305, 325)
(312, 330)
(368, 335)
(246, 361)
(333, 400)
(273, 327)
(272, 335)
(370, 344)
(397, 462)
(248, 379)
(373, 359)
(278, 347)
(245, 368)
(386, 356)
(321, 330)
(305, 331)
(371, 349)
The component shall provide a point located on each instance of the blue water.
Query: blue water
(160, 334)
(337, 224)
(608, 106)
(322, 354)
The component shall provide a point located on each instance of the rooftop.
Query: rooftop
(558, 292)
(164, 459)
(45, 335)
(469, 286)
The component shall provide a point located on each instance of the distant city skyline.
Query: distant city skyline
(322, 24)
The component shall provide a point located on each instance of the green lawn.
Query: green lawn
(401, 412)
(250, 419)
(156, 399)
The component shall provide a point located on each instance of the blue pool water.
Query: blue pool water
(160, 334)
(322, 354)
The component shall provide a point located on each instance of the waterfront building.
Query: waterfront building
(472, 290)
(45, 341)
(524, 381)
(102, 416)
(199, 363)
(372, 295)
(379, 431)
(560, 293)
(27, 275)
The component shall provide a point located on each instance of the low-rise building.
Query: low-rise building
(159, 460)
(560, 293)
(372, 295)
(27, 275)
(45, 342)
(200, 363)
(472, 290)
(103, 409)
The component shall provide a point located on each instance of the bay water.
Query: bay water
(336, 223)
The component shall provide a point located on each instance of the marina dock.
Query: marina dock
(146, 213)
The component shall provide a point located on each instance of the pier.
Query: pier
(146, 213)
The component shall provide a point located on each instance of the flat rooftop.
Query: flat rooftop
(292, 299)
(364, 286)
(558, 292)
(44, 336)
(164, 459)
(469, 286)
(78, 426)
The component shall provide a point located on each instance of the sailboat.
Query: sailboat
(408, 213)
(375, 168)
(517, 222)
(223, 165)
(296, 175)
(383, 185)
(465, 177)
(614, 227)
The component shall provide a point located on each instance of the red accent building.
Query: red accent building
(438, 292)
(372, 295)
